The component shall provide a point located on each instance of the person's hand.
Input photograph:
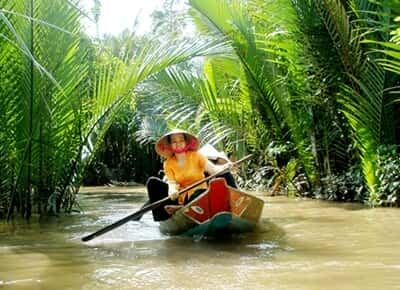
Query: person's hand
(173, 195)
(172, 190)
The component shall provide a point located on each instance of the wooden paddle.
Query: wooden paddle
(138, 214)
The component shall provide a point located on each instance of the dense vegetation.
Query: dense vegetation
(309, 87)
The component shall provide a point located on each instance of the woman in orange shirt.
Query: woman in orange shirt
(183, 166)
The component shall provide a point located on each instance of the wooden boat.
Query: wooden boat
(218, 211)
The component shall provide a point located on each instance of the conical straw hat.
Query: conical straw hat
(163, 146)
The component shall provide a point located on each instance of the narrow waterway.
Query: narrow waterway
(299, 244)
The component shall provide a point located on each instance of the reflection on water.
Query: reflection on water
(299, 244)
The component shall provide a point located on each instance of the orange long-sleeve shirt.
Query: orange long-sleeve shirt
(191, 172)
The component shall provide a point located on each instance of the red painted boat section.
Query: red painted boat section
(208, 205)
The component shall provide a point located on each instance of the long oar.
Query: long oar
(154, 205)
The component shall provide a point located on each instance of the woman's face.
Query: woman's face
(178, 141)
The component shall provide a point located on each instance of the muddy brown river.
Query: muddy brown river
(299, 244)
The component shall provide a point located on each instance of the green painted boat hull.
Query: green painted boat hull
(221, 224)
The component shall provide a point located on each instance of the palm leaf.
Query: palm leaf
(363, 101)
(262, 63)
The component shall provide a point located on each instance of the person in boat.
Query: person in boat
(184, 165)
(218, 158)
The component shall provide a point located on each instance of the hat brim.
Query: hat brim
(163, 147)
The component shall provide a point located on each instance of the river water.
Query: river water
(299, 244)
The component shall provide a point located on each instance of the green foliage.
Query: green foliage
(348, 186)
(310, 87)
(300, 74)
(362, 93)
(268, 75)
(120, 157)
(388, 173)
(60, 110)
(278, 172)
(44, 109)
(267, 170)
